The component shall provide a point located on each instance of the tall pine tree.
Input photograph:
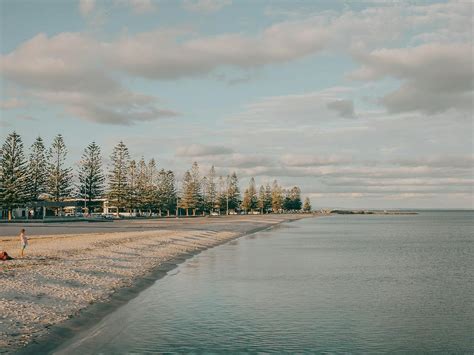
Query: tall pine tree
(117, 189)
(169, 192)
(233, 192)
(142, 184)
(268, 198)
(295, 196)
(37, 170)
(12, 173)
(211, 190)
(197, 187)
(277, 197)
(250, 200)
(261, 199)
(188, 200)
(307, 205)
(132, 190)
(59, 182)
(91, 176)
(151, 186)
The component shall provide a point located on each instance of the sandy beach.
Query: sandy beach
(68, 269)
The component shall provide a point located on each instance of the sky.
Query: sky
(363, 104)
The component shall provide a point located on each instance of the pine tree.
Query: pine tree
(59, 183)
(211, 191)
(246, 202)
(268, 198)
(188, 198)
(142, 184)
(307, 205)
(261, 199)
(161, 191)
(12, 173)
(253, 195)
(277, 197)
(37, 169)
(221, 194)
(197, 187)
(151, 186)
(287, 203)
(170, 192)
(117, 189)
(233, 192)
(250, 200)
(91, 176)
(295, 197)
(132, 190)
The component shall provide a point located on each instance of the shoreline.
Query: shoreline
(178, 246)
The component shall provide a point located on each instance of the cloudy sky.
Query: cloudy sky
(361, 103)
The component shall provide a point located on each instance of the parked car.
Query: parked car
(108, 216)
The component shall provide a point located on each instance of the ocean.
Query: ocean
(352, 283)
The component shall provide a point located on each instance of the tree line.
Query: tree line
(128, 184)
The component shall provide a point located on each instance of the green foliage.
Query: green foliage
(166, 193)
(37, 170)
(91, 176)
(210, 193)
(233, 192)
(187, 199)
(117, 176)
(59, 177)
(142, 184)
(307, 205)
(261, 199)
(277, 197)
(292, 201)
(13, 176)
(132, 185)
(250, 201)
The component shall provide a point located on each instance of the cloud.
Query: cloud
(205, 6)
(171, 54)
(86, 7)
(69, 71)
(12, 103)
(345, 108)
(435, 77)
(309, 107)
(76, 65)
(302, 160)
(199, 150)
(142, 6)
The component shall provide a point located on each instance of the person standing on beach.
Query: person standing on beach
(23, 241)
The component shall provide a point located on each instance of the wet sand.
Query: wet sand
(70, 268)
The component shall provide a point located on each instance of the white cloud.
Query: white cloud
(302, 160)
(435, 77)
(142, 6)
(171, 54)
(317, 106)
(68, 71)
(345, 108)
(86, 7)
(200, 150)
(205, 6)
(12, 103)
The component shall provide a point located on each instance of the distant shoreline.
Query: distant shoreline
(69, 281)
(376, 212)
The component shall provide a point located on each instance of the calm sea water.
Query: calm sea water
(330, 284)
